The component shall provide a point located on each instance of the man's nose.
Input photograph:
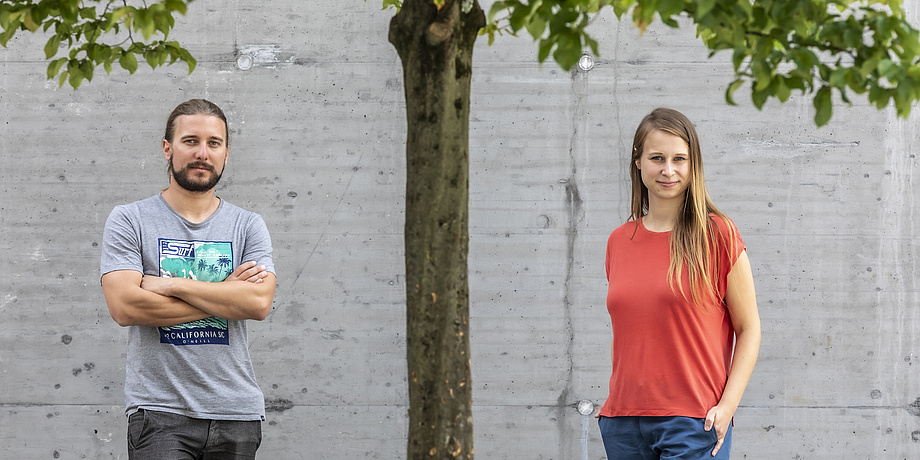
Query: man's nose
(201, 152)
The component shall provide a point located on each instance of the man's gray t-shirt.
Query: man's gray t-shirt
(200, 369)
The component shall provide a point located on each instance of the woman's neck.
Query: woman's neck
(661, 216)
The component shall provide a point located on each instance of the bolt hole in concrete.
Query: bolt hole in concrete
(586, 62)
(586, 409)
(244, 62)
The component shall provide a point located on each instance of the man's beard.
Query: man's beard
(183, 177)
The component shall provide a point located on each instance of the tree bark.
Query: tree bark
(435, 46)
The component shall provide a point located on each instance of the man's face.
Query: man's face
(198, 152)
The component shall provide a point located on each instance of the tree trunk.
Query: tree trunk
(435, 46)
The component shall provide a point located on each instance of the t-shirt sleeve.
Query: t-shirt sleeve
(608, 258)
(729, 248)
(121, 245)
(258, 246)
(729, 234)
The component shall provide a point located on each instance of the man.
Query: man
(184, 270)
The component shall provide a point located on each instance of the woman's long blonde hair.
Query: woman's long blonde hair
(692, 236)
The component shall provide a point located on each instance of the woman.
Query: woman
(686, 331)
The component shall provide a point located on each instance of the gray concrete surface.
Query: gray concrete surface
(828, 216)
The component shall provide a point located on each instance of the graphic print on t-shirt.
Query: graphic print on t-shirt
(210, 261)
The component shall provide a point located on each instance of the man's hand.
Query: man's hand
(156, 285)
(135, 299)
(248, 271)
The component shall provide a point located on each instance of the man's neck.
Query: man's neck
(195, 207)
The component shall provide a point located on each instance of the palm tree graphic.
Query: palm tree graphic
(224, 262)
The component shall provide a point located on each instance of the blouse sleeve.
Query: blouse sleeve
(727, 247)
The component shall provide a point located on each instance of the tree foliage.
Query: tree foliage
(97, 32)
(817, 47)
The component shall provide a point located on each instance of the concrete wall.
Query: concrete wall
(828, 216)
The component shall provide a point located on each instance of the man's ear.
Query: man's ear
(167, 150)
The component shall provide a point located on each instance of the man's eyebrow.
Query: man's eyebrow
(195, 136)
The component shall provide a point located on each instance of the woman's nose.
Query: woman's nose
(668, 168)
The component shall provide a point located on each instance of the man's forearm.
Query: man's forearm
(130, 305)
(231, 300)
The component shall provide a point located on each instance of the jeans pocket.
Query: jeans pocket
(712, 433)
(137, 424)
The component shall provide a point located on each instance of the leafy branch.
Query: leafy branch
(815, 47)
(74, 26)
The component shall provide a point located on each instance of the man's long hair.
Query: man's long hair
(195, 107)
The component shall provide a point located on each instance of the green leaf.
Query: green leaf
(762, 73)
(738, 56)
(128, 61)
(568, 50)
(730, 91)
(87, 68)
(759, 98)
(74, 74)
(52, 46)
(55, 66)
(839, 77)
(29, 22)
(188, 58)
(88, 12)
(546, 45)
(180, 6)
(906, 92)
(703, 7)
(592, 43)
(795, 83)
(495, 9)
(518, 17)
(115, 16)
(823, 106)
(879, 96)
(536, 27)
(782, 91)
(908, 39)
(886, 67)
(669, 8)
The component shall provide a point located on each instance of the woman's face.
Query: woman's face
(665, 166)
